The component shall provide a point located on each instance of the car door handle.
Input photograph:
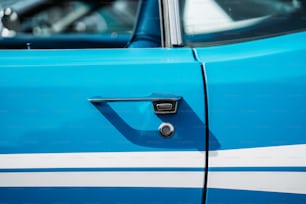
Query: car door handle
(162, 103)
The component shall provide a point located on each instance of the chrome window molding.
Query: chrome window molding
(170, 23)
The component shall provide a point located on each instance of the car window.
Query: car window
(69, 19)
(210, 22)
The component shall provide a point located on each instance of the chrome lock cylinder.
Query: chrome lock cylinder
(166, 130)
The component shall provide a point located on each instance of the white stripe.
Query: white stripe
(282, 182)
(103, 179)
(183, 159)
(277, 156)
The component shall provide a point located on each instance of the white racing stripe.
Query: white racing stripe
(268, 181)
(264, 180)
(183, 159)
(281, 182)
(278, 156)
(103, 179)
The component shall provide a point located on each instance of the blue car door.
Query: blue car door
(94, 126)
(253, 58)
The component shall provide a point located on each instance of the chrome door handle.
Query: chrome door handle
(162, 103)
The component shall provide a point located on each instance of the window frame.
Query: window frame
(171, 29)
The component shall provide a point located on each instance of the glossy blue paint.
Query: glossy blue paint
(256, 92)
(228, 196)
(44, 105)
(99, 195)
(44, 108)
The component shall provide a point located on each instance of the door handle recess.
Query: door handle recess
(162, 103)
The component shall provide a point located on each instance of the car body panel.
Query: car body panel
(100, 195)
(78, 125)
(53, 138)
(257, 119)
